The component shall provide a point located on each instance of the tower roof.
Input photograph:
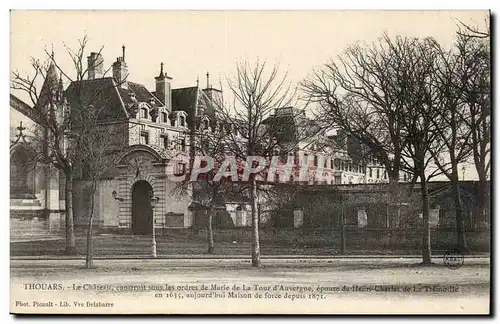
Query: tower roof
(50, 87)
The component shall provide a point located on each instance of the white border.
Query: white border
(184, 4)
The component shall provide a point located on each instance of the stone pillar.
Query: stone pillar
(362, 218)
(52, 200)
(434, 217)
(298, 218)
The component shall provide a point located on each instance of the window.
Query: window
(165, 141)
(144, 137)
(180, 169)
(331, 163)
(342, 165)
(182, 121)
(338, 180)
(315, 160)
(350, 166)
(404, 177)
(371, 172)
(182, 144)
(385, 174)
(378, 173)
(144, 113)
(164, 117)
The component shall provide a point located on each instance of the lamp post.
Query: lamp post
(154, 200)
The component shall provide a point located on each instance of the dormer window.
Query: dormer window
(164, 138)
(144, 113)
(182, 121)
(144, 137)
(182, 144)
(164, 117)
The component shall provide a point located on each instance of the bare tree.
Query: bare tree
(450, 148)
(209, 193)
(98, 155)
(473, 31)
(56, 141)
(421, 132)
(361, 96)
(263, 119)
(383, 96)
(474, 47)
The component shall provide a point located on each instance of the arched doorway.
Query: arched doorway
(142, 211)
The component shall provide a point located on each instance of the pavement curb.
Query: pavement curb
(231, 257)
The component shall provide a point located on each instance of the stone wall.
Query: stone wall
(356, 239)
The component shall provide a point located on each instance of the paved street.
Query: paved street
(371, 282)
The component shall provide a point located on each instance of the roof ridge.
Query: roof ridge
(185, 88)
(95, 79)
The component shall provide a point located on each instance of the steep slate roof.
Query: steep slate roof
(186, 99)
(50, 86)
(102, 93)
(289, 126)
(105, 93)
(142, 94)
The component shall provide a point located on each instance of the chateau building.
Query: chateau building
(151, 132)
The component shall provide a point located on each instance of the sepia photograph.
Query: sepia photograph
(231, 162)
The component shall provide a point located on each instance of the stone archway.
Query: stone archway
(142, 211)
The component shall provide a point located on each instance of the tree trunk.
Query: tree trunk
(342, 231)
(210, 232)
(255, 224)
(70, 230)
(394, 199)
(482, 219)
(426, 229)
(89, 263)
(459, 213)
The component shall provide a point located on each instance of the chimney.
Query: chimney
(95, 66)
(214, 95)
(163, 89)
(120, 71)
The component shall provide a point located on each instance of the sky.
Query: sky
(191, 43)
